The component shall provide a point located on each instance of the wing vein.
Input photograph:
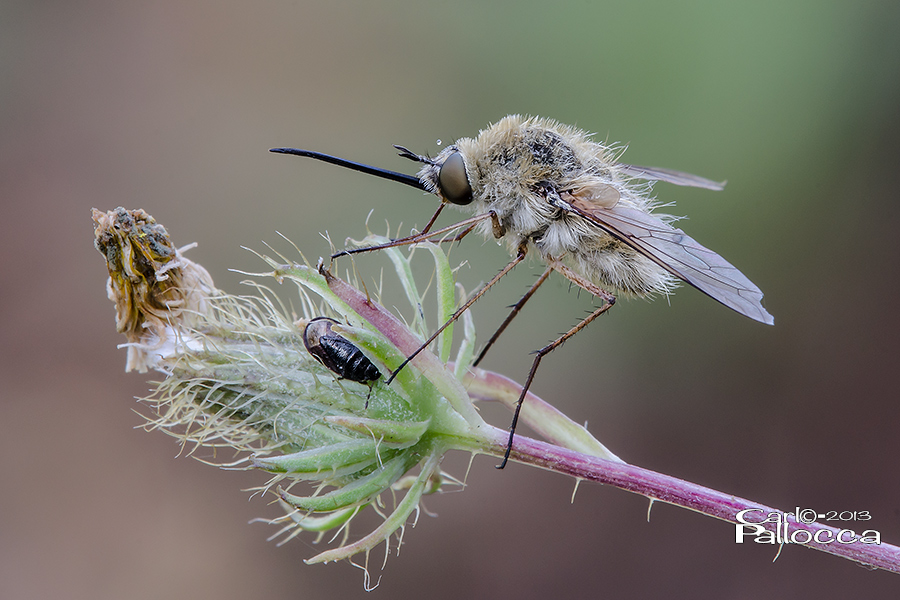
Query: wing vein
(678, 253)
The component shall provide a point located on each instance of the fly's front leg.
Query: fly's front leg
(466, 225)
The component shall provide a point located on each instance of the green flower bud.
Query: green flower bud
(239, 375)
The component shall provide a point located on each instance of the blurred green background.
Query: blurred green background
(172, 106)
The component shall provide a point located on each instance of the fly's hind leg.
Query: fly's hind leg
(584, 284)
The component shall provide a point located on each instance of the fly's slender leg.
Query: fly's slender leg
(468, 224)
(425, 230)
(520, 256)
(433, 218)
(583, 283)
(461, 234)
(515, 311)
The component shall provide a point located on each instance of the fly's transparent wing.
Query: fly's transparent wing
(670, 176)
(681, 255)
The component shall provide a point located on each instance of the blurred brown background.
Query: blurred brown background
(172, 108)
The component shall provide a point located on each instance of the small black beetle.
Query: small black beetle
(338, 353)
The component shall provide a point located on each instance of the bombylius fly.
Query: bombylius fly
(546, 187)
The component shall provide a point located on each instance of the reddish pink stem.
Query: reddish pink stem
(672, 490)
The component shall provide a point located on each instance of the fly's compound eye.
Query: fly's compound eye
(453, 181)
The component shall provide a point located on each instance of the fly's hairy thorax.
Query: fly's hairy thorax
(510, 162)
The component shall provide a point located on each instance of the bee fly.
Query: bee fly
(338, 353)
(545, 187)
